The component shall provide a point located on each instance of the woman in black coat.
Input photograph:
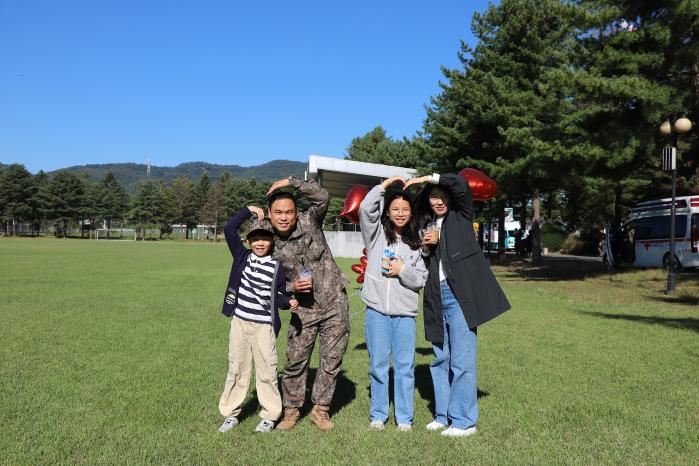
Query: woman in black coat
(461, 294)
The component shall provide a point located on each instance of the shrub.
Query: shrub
(552, 236)
(581, 244)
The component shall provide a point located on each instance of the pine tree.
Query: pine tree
(201, 194)
(16, 189)
(213, 211)
(36, 202)
(377, 147)
(505, 112)
(181, 203)
(238, 193)
(93, 209)
(625, 81)
(148, 207)
(62, 200)
(115, 202)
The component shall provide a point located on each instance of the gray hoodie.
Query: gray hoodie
(395, 296)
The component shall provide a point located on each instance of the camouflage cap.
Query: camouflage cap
(256, 224)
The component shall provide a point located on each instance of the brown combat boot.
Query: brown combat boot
(319, 417)
(291, 417)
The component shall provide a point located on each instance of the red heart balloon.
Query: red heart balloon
(358, 268)
(482, 186)
(360, 279)
(354, 197)
(363, 260)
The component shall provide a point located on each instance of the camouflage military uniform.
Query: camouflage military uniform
(323, 311)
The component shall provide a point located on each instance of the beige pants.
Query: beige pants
(250, 341)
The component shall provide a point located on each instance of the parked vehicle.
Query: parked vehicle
(644, 239)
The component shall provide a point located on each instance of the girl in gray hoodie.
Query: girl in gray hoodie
(394, 274)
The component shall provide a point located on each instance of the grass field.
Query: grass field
(115, 352)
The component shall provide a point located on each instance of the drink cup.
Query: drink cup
(306, 274)
(433, 228)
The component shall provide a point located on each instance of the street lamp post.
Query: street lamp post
(673, 127)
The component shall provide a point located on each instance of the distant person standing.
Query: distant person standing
(519, 250)
(527, 243)
(461, 294)
(319, 285)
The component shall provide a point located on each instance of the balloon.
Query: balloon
(363, 260)
(358, 268)
(364, 252)
(482, 186)
(354, 197)
(360, 279)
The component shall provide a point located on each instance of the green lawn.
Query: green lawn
(115, 352)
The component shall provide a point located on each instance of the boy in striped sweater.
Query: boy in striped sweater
(256, 288)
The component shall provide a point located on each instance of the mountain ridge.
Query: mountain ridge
(129, 174)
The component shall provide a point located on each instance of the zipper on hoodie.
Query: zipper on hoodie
(388, 293)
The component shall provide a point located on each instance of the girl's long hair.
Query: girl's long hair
(410, 234)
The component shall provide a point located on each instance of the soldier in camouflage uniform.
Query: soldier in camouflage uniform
(323, 306)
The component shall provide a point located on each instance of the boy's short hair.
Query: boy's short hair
(280, 195)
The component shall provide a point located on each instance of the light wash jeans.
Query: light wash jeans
(388, 337)
(454, 367)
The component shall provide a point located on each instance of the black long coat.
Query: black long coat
(473, 283)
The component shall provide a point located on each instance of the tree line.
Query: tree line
(65, 199)
(560, 102)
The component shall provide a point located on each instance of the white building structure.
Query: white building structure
(337, 176)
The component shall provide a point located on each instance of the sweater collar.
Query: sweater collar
(261, 260)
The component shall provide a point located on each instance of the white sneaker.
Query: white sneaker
(405, 427)
(265, 426)
(456, 432)
(228, 423)
(376, 425)
(434, 425)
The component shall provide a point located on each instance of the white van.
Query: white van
(644, 240)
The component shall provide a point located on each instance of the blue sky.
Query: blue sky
(220, 81)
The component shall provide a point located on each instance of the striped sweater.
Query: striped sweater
(255, 290)
(279, 298)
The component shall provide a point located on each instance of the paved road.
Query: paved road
(558, 256)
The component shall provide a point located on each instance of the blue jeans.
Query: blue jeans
(454, 367)
(388, 337)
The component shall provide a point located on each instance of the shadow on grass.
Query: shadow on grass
(250, 408)
(423, 383)
(391, 386)
(551, 269)
(345, 392)
(562, 268)
(681, 323)
(422, 351)
(682, 299)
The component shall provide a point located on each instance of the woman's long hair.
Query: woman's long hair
(423, 210)
(410, 234)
